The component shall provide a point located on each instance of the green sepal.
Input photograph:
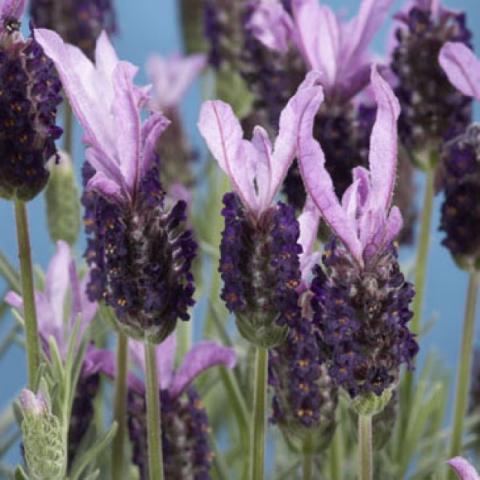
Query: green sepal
(371, 404)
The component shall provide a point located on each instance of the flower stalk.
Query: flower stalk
(30, 315)
(154, 426)
(120, 407)
(307, 466)
(259, 419)
(464, 365)
(365, 458)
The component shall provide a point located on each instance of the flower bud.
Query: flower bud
(371, 404)
(63, 202)
(260, 269)
(45, 452)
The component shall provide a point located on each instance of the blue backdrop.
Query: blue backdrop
(152, 26)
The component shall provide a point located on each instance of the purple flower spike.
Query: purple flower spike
(364, 220)
(463, 469)
(185, 425)
(462, 68)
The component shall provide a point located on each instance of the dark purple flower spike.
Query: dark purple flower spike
(29, 97)
(79, 22)
(460, 218)
(138, 249)
(361, 299)
(432, 110)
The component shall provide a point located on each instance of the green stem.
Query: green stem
(365, 447)
(464, 366)
(422, 253)
(154, 425)
(120, 408)
(184, 339)
(67, 127)
(29, 311)
(259, 419)
(336, 455)
(420, 279)
(307, 465)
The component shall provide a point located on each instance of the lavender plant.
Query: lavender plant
(301, 298)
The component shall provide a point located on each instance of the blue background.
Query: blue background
(149, 26)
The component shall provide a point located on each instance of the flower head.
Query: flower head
(61, 282)
(139, 252)
(336, 50)
(184, 420)
(79, 22)
(463, 469)
(29, 96)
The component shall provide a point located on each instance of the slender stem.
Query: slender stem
(464, 366)
(184, 339)
(307, 465)
(259, 419)
(365, 447)
(154, 425)
(29, 311)
(67, 127)
(336, 455)
(422, 253)
(420, 278)
(120, 408)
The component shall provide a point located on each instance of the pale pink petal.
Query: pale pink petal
(319, 184)
(87, 92)
(271, 25)
(14, 300)
(383, 142)
(224, 137)
(309, 221)
(109, 170)
(262, 165)
(462, 68)
(165, 353)
(104, 186)
(393, 226)
(359, 32)
(202, 356)
(153, 127)
(318, 38)
(128, 125)
(171, 78)
(463, 469)
(57, 281)
(106, 59)
(308, 97)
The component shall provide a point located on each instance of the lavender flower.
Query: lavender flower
(259, 251)
(361, 301)
(139, 253)
(78, 22)
(185, 428)
(29, 96)
(463, 469)
(171, 77)
(460, 218)
(432, 110)
(61, 283)
(339, 52)
(305, 398)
